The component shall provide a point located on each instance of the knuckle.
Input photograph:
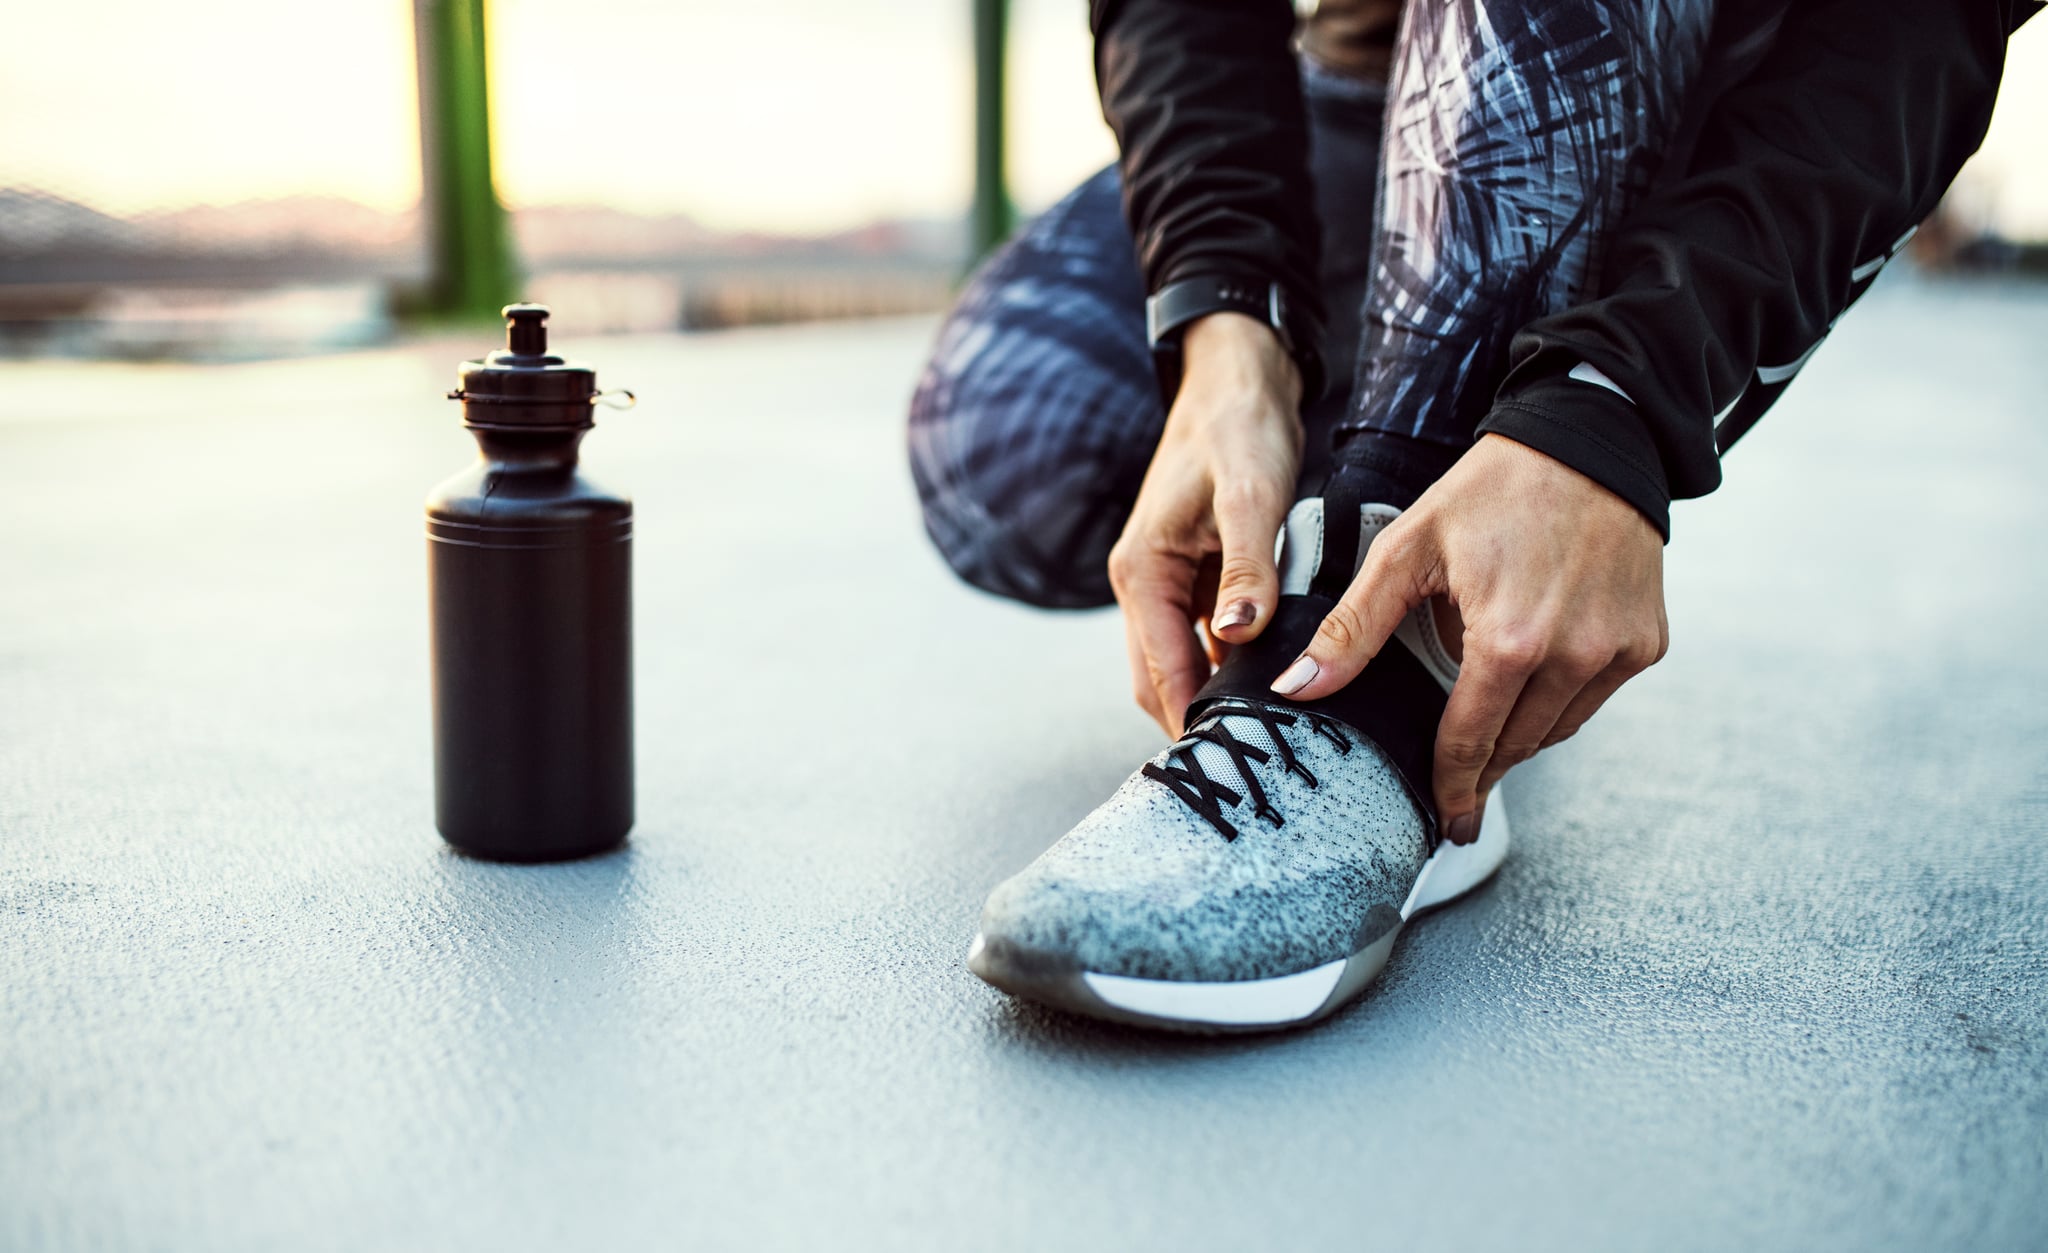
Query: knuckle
(1394, 546)
(1380, 567)
(1505, 755)
(1131, 564)
(1642, 653)
(1400, 548)
(1559, 735)
(1520, 652)
(1341, 629)
(1241, 570)
(1411, 527)
(1582, 661)
(1119, 564)
(1463, 754)
(1239, 493)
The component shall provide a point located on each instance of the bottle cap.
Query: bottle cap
(523, 384)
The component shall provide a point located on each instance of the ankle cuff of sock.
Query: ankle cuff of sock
(1393, 469)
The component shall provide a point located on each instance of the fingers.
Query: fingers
(1393, 580)
(1249, 514)
(1142, 690)
(1543, 700)
(1559, 697)
(1167, 660)
(1585, 705)
(1175, 663)
(1626, 665)
(1217, 648)
(1488, 688)
(1202, 608)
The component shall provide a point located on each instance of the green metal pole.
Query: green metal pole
(472, 270)
(993, 214)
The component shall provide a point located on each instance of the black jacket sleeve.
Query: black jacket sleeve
(1806, 176)
(1205, 99)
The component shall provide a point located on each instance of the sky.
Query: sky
(805, 115)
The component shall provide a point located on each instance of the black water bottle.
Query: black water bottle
(530, 577)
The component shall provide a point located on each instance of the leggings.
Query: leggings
(1469, 196)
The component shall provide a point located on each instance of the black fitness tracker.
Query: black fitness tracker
(1173, 306)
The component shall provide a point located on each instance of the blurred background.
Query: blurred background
(240, 178)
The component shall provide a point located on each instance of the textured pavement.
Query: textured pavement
(1766, 970)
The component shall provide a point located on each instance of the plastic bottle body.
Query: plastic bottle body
(530, 584)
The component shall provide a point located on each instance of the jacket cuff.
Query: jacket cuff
(1595, 432)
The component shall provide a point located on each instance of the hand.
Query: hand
(1560, 585)
(1202, 530)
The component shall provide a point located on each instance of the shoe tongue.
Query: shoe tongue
(1216, 762)
(1301, 558)
(1301, 541)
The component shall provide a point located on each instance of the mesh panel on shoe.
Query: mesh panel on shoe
(1217, 763)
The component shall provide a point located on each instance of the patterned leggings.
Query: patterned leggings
(1470, 196)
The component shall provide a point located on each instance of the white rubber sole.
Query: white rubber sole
(1290, 1000)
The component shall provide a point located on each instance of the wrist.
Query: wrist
(1563, 487)
(1239, 353)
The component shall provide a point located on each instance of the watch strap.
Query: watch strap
(1169, 311)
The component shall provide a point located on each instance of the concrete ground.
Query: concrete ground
(1766, 970)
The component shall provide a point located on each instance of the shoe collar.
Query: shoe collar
(1301, 557)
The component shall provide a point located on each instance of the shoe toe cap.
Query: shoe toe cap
(1051, 925)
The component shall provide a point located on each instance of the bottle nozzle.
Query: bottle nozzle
(527, 329)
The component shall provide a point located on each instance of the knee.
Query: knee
(1026, 469)
(1028, 515)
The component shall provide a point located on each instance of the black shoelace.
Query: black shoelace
(1207, 796)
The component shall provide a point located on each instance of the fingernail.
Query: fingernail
(1236, 613)
(1463, 829)
(1297, 676)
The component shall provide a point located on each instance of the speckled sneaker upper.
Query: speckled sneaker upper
(1269, 841)
(1310, 842)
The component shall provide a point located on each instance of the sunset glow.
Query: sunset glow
(813, 115)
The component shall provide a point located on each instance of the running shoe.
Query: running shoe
(1256, 873)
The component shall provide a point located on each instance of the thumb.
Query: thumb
(1248, 518)
(1390, 584)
